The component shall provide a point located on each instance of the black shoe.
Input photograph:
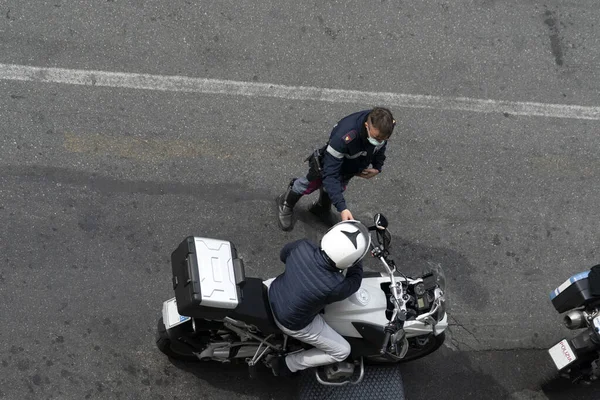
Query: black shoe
(285, 214)
(285, 207)
(279, 366)
(324, 214)
(322, 209)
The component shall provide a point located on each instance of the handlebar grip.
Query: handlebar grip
(386, 341)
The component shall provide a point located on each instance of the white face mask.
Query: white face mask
(372, 140)
(375, 142)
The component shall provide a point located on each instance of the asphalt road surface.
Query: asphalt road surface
(492, 172)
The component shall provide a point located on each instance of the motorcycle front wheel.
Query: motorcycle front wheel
(177, 351)
(413, 353)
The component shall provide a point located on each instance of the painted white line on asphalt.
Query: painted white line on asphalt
(255, 89)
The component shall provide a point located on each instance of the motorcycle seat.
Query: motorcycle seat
(254, 308)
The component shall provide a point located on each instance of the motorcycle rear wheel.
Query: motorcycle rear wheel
(177, 351)
(434, 343)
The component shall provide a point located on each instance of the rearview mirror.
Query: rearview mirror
(381, 222)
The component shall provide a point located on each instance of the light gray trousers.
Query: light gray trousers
(329, 346)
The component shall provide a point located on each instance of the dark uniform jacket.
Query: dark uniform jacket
(348, 153)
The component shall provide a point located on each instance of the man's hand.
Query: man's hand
(368, 173)
(346, 215)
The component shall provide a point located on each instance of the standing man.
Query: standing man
(356, 147)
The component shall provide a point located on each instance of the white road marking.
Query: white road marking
(255, 89)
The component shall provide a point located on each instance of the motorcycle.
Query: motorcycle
(219, 314)
(578, 359)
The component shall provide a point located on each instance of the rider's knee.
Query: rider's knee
(342, 353)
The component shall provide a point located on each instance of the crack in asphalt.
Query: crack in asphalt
(456, 323)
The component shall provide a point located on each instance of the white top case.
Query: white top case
(217, 279)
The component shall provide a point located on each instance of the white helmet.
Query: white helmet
(346, 243)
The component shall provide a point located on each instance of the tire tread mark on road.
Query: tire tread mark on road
(105, 184)
(555, 38)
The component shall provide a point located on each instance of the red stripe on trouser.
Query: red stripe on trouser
(316, 184)
(313, 185)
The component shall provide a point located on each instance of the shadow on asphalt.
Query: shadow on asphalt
(449, 375)
(563, 389)
(234, 378)
(446, 374)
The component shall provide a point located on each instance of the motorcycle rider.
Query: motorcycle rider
(314, 277)
(355, 143)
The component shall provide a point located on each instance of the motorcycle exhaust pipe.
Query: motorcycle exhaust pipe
(575, 320)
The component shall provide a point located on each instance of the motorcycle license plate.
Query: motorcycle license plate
(562, 354)
(171, 316)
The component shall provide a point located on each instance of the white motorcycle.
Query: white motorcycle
(219, 314)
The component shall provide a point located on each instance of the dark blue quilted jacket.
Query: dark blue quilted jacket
(308, 284)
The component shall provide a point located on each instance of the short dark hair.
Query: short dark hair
(383, 120)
